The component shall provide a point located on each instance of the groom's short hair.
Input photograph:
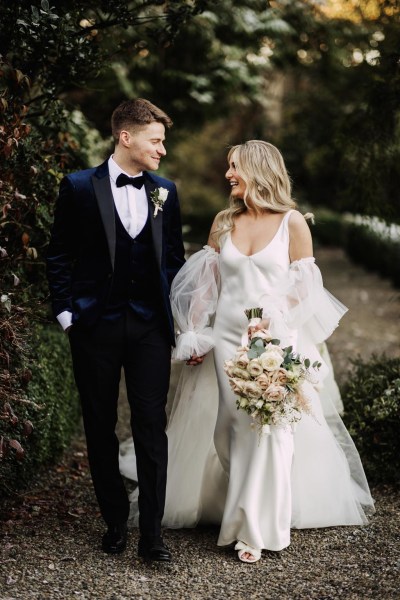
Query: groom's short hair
(134, 114)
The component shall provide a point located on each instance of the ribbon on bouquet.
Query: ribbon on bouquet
(245, 336)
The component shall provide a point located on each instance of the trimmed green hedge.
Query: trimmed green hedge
(329, 228)
(52, 386)
(372, 414)
(376, 254)
(362, 244)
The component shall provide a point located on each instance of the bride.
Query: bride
(259, 254)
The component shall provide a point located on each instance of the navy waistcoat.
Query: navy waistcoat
(136, 278)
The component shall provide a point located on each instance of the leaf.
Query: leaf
(35, 14)
(20, 452)
(252, 353)
(31, 253)
(19, 76)
(45, 5)
(307, 363)
(6, 302)
(276, 342)
(28, 428)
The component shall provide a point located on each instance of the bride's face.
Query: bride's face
(238, 186)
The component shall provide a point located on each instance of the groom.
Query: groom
(115, 247)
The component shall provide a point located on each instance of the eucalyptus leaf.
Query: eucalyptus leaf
(259, 343)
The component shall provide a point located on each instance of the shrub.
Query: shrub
(372, 415)
(375, 252)
(368, 241)
(329, 228)
(50, 401)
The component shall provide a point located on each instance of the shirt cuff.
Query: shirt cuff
(65, 319)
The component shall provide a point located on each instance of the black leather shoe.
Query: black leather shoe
(153, 548)
(114, 540)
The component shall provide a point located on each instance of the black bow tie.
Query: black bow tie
(123, 179)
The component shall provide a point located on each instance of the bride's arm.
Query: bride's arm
(300, 240)
(211, 243)
(302, 301)
(194, 296)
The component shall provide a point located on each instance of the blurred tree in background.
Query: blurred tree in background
(341, 106)
(319, 79)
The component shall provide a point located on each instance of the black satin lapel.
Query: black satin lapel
(105, 201)
(156, 222)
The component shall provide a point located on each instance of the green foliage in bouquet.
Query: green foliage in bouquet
(372, 415)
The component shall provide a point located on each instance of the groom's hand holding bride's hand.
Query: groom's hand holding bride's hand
(195, 360)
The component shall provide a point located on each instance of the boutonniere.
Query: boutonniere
(158, 197)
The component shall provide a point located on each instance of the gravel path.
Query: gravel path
(51, 533)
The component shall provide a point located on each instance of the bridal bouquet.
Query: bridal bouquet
(267, 379)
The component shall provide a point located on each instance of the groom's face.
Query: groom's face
(145, 146)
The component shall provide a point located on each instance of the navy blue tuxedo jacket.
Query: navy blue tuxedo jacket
(81, 254)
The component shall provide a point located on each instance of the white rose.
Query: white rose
(260, 403)
(162, 194)
(274, 348)
(271, 360)
(254, 367)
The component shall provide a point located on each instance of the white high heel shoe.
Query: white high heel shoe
(243, 548)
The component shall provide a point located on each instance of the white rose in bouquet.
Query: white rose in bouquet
(271, 360)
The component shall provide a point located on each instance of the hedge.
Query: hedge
(367, 241)
(52, 388)
(371, 401)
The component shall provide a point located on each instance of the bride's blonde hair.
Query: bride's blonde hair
(263, 170)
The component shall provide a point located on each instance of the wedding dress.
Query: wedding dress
(220, 470)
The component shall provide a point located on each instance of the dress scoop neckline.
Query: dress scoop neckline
(265, 247)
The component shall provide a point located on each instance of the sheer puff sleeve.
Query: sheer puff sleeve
(304, 303)
(194, 297)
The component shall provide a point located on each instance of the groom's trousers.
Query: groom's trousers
(143, 349)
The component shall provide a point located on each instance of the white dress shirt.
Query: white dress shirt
(132, 208)
(131, 204)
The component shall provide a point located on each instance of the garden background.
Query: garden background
(320, 79)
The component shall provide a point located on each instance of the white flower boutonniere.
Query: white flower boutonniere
(158, 197)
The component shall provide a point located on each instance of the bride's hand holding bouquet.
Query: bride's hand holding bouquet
(267, 379)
